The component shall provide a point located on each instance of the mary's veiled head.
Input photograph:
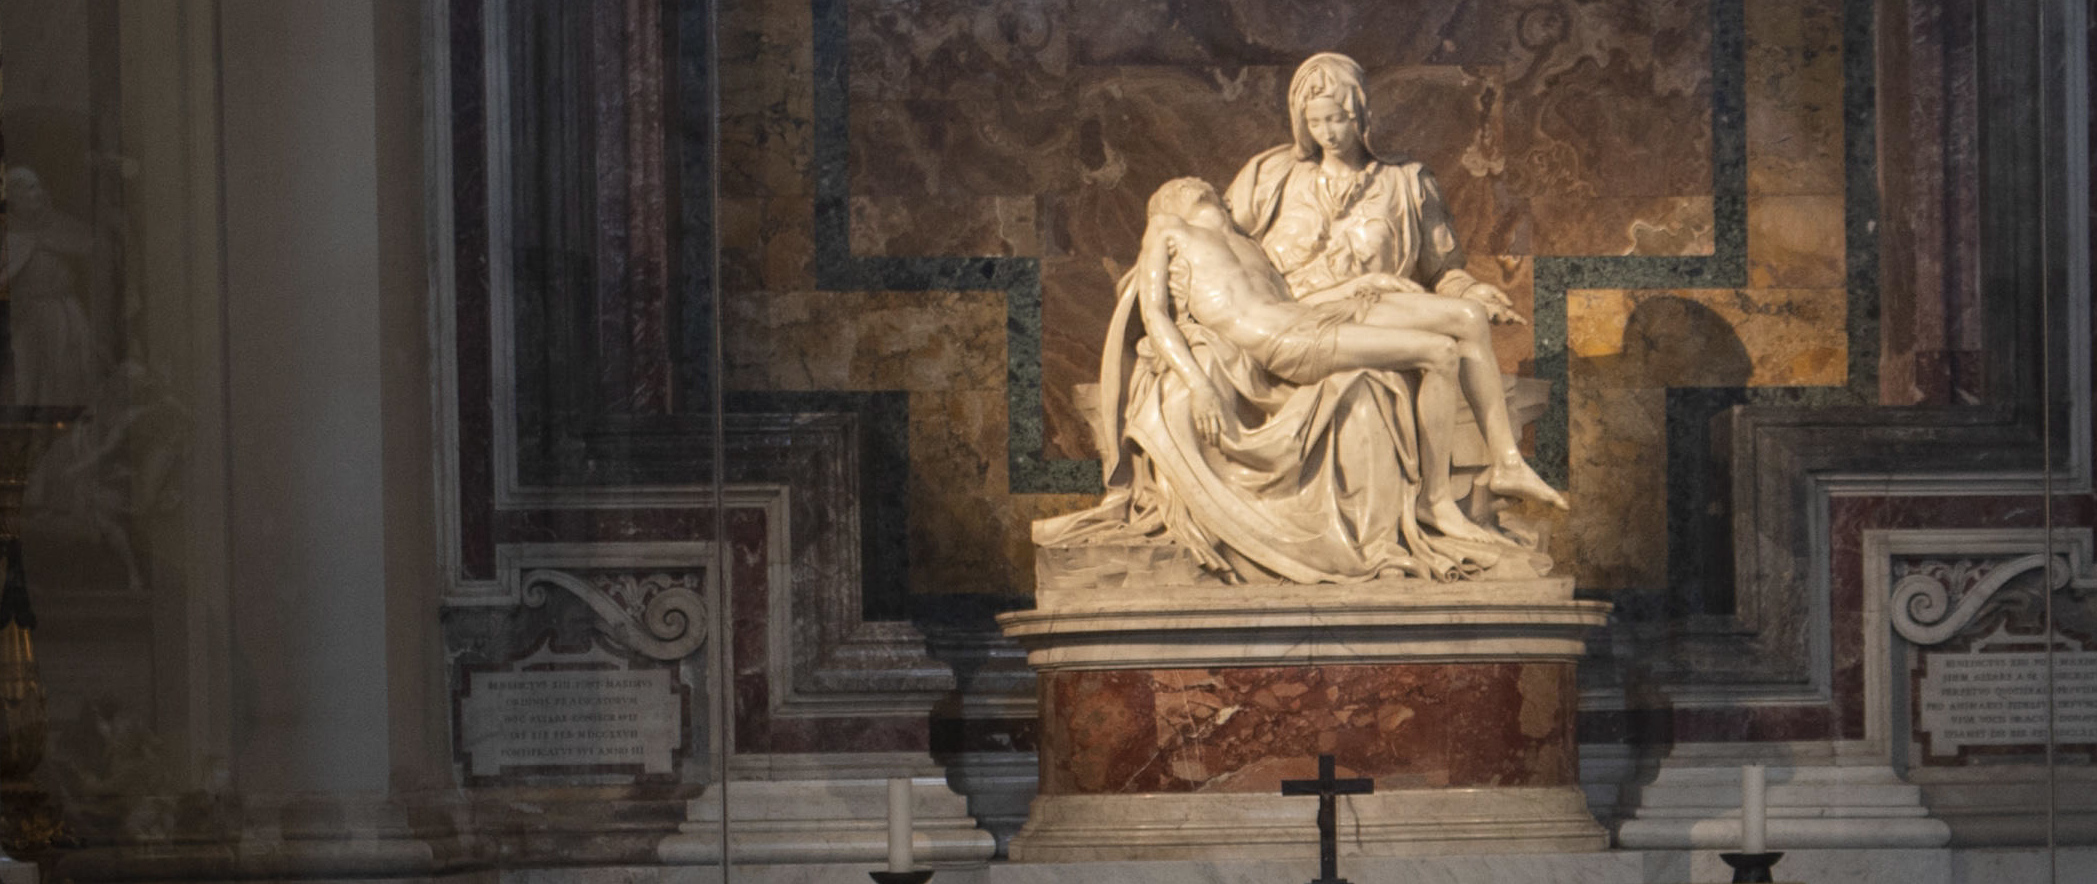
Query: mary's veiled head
(1333, 76)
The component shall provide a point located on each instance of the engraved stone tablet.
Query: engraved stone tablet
(593, 715)
(1996, 698)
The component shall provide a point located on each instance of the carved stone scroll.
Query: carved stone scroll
(658, 615)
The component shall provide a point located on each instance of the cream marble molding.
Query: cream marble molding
(825, 821)
(1809, 806)
(1384, 621)
(1207, 826)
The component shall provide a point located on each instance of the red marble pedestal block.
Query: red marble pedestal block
(1170, 715)
(1405, 725)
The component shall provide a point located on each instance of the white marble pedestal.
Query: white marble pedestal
(1809, 806)
(1171, 714)
(838, 818)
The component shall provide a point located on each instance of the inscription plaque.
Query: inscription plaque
(590, 714)
(1999, 699)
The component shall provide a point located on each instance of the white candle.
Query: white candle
(899, 824)
(1754, 813)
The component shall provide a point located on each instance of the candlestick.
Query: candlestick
(899, 824)
(1748, 868)
(1754, 812)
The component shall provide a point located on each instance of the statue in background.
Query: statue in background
(1283, 375)
(56, 359)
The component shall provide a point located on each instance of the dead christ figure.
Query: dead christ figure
(1196, 262)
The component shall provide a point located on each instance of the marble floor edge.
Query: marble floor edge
(2077, 865)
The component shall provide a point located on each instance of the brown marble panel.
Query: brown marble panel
(1594, 89)
(959, 49)
(960, 518)
(1709, 337)
(1657, 225)
(1794, 97)
(864, 341)
(1246, 730)
(1252, 32)
(1616, 535)
(946, 225)
(767, 244)
(1007, 146)
(1795, 242)
(1450, 118)
(1077, 301)
(1136, 127)
(767, 99)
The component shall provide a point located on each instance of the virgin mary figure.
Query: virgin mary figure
(1328, 207)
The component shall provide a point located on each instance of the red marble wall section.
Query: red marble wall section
(1245, 730)
(756, 731)
(1929, 171)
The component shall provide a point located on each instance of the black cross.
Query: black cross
(1328, 790)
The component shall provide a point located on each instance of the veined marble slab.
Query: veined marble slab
(1378, 621)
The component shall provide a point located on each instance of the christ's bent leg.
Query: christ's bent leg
(1478, 371)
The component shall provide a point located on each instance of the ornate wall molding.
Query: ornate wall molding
(1933, 603)
(2004, 552)
(656, 614)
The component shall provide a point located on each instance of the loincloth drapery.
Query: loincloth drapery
(1303, 352)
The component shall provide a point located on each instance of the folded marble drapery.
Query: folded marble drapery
(1308, 483)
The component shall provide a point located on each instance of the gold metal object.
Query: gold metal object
(31, 826)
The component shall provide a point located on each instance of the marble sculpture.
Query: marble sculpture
(1299, 370)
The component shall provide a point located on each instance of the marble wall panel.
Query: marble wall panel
(1794, 92)
(1070, 352)
(1010, 145)
(1628, 348)
(961, 528)
(959, 49)
(1592, 87)
(1039, 129)
(1246, 730)
(864, 341)
(1928, 154)
(767, 138)
(946, 225)
(1616, 538)
(1708, 337)
(1796, 241)
(1659, 225)
(767, 244)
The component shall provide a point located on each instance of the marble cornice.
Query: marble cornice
(1390, 621)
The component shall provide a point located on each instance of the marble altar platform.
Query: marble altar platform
(2076, 865)
(1171, 714)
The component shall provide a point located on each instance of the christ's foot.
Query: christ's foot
(1518, 480)
(1448, 518)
